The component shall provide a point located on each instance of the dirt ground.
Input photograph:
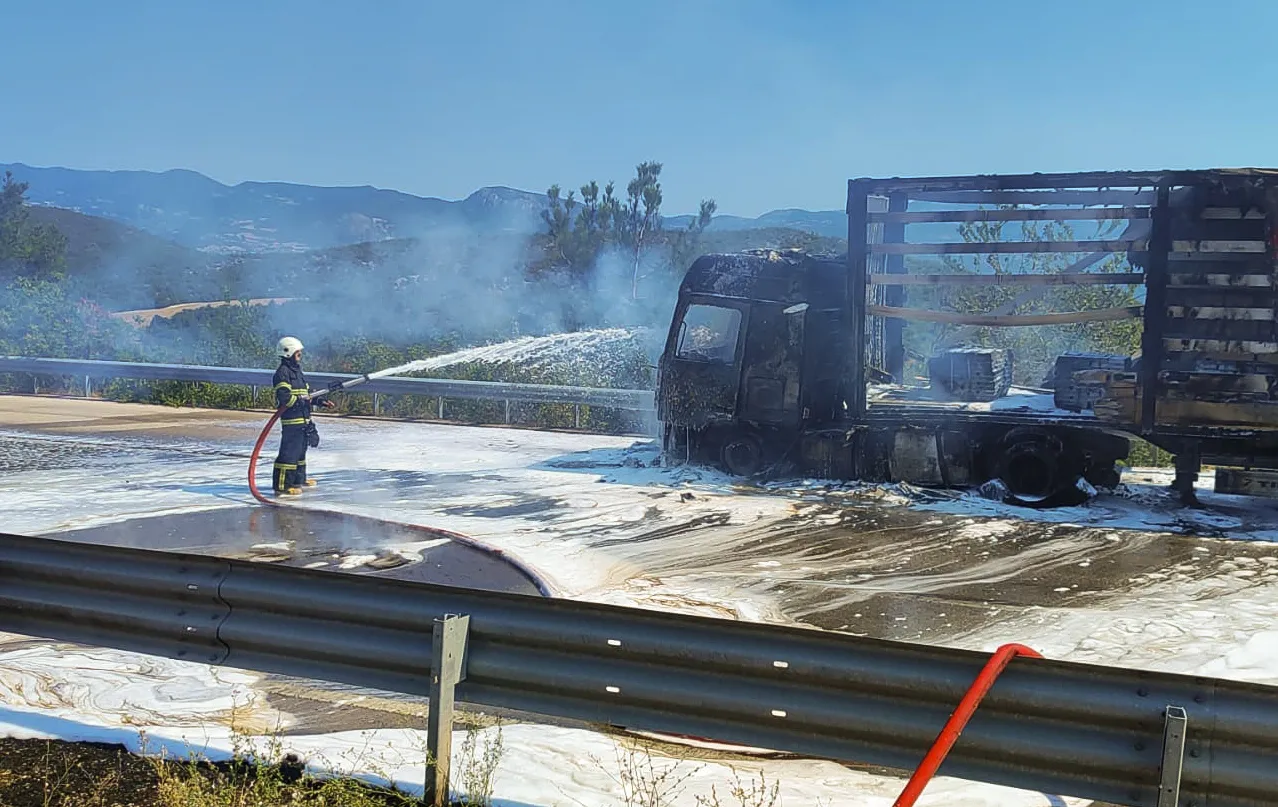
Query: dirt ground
(40, 773)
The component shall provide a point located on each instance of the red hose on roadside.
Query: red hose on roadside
(958, 721)
(257, 449)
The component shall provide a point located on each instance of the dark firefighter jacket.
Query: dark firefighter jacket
(289, 382)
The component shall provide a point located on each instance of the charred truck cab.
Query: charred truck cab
(753, 357)
(752, 375)
(798, 360)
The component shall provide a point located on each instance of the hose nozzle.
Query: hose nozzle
(341, 385)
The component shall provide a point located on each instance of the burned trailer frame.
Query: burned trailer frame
(793, 341)
(1204, 243)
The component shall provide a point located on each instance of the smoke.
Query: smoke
(459, 287)
(364, 306)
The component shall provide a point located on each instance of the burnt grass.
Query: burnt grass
(52, 773)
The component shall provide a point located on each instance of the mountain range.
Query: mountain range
(193, 210)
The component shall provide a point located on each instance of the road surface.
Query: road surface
(1131, 580)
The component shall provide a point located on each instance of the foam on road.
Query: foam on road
(1131, 580)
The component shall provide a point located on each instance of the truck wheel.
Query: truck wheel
(1030, 465)
(742, 455)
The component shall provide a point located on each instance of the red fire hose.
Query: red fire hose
(257, 449)
(958, 720)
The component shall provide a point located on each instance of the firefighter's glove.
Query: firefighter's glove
(312, 435)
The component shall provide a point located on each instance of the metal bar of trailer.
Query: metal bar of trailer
(855, 288)
(1063, 279)
(1047, 197)
(895, 295)
(1007, 321)
(986, 182)
(1031, 214)
(1155, 323)
(1026, 296)
(1233, 330)
(1221, 296)
(1009, 247)
(1222, 263)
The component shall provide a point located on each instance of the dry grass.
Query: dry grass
(44, 773)
(750, 793)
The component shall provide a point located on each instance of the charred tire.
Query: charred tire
(1104, 476)
(1030, 464)
(742, 454)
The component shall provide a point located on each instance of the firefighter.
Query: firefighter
(293, 395)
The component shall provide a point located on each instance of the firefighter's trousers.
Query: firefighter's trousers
(290, 464)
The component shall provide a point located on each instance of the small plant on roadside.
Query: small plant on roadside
(478, 766)
(260, 777)
(645, 782)
(752, 793)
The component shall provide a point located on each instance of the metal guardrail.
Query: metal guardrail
(1093, 732)
(634, 400)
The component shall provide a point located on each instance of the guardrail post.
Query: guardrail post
(88, 388)
(441, 407)
(576, 415)
(377, 404)
(507, 411)
(253, 392)
(1173, 756)
(447, 668)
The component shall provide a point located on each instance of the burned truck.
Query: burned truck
(788, 359)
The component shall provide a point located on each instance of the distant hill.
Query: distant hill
(827, 223)
(122, 267)
(195, 211)
(93, 241)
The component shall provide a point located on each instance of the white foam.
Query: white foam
(554, 350)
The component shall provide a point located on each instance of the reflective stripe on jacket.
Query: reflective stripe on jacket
(290, 382)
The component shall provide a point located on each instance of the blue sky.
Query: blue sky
(760, 104)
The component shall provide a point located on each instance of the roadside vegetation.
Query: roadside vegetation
(51, 773)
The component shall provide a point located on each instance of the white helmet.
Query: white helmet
(288, 346)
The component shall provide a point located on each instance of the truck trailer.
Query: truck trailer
(808, 361)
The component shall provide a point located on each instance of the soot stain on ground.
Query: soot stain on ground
(299, 537)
